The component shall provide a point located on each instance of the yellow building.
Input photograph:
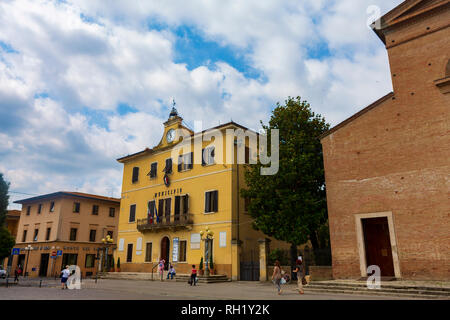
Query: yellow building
(169, 196)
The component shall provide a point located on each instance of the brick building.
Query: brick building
(387, 167)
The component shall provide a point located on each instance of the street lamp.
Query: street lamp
(208, 246)
(106, 241)
(28, 249)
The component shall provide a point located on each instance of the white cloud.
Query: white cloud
(73, 61)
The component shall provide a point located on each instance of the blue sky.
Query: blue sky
(85, 82)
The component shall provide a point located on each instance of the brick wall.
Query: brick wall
(396, 157)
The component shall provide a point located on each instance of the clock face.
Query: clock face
(170, 135)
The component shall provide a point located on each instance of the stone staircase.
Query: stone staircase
(203, 279)
(387, 289)
(148, 276)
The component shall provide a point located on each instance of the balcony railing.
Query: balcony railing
(161, 222)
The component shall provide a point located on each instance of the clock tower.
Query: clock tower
(174, 122)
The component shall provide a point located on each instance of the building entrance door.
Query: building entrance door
(165, 251)
(43, 267)
(21, 261)
(378, 245)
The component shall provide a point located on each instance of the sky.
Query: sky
(84, 82)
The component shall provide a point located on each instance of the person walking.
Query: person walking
(276, 276)
(193, 276)
(65, 274)
(17, 273)
(161, 268)
(300, 270)
(171, 272)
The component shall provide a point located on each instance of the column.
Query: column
(263, 258)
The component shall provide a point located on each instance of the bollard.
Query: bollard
(40, 284)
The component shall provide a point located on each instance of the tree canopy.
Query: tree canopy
(7, 242)
(291, 205)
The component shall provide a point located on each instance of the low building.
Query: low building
(11, 224)
(387, 167)
(168, 200)
(65, 228)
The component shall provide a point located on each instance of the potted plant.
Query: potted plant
(211, 265)
(112, 265)
(118, 265)
(200, 268)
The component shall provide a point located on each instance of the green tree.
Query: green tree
(7, 242)
(291, 205)
(4, 199)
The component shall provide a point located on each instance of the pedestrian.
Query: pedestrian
(17, 273)
(193, 280)
(299, 269)
(161, 268)
(171, 272)
(276, 276)
(65, 273)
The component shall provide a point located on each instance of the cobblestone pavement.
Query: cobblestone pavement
(108, 289)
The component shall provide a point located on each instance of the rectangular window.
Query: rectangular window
(130, 252)
(47, 235)
(28, 210)
(208, 156)
(95, 210)
(112, 212)
(73, 234)
(168, 168)
(110, 234)
(148, 252)
(186, 161)
(24, 237)
(211, 201)
(90, 261)
(181, 205)
(167, 208)
(135, 177)
(39, 208)
(36, 232)
(153, 170)
(160, 209)
(76, 207)
(182, 251)
(92, 234)
(151, 211)
(52, 206)
(132, 213)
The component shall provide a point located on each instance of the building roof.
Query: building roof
(405, 11)
(70, 194)
(13, 214)
(150, 151)
(357, 115)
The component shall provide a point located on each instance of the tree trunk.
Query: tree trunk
(315, 244)
(293, 251)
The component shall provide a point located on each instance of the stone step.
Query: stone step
(383, 289)
(399, 287)
(374, 292)
(204, 279)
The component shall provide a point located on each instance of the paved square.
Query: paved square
(109, 289)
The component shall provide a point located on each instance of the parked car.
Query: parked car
(2, 273)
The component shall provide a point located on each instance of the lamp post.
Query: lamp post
(106, 241)
(28, 249)
(208, 246)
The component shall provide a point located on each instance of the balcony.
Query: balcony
(173, 222)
